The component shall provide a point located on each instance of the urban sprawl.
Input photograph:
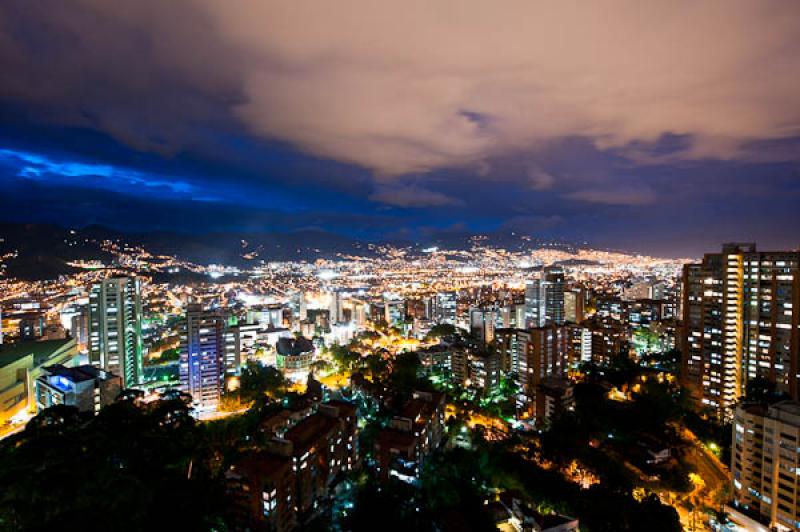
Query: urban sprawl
(549, 390)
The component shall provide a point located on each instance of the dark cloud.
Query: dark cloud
(411, 196)
(608, 121)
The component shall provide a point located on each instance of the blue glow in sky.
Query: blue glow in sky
(42, 168)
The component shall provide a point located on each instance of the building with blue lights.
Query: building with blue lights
(85, 387)
(202, 359)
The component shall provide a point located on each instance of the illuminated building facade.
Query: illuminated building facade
(87, 388)
(444, 307)
(544, 298)
(481, 324)
(533, 355)
(202, 358)
(21, 364)
(573, 306)
(740, 314)
(115, 328)
(765, 461)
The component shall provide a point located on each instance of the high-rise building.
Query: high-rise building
(510, 316)
(202, 362)
(267, 315)
(609, 338)
(302, 306)
(115, 328)
(359, 313)
(554, 295)
(79, 329)
(544, 298)
(645, 289)
(336, 307)
(740, 315)
(535, 313)
(394, 311)
(765, 461)
(532, 355)
(481, 324)
(444, 307)
(232, 346)
(573, 306)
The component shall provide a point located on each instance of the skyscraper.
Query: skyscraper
(115, 328)
(554, 295)
(535, 314)
(481, 324)
(202, 363)
(573, 306)
(444, 307)
(533, 355)
(544, 298)
(740, 314)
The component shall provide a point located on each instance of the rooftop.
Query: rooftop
(294, 346)
(41, 351)
(80, 373)
(306, 433)
(262, 464)
(396, 439)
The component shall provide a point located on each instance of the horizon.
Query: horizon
(429, 240)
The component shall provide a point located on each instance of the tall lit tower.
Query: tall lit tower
(202, 359)
(740, 321)
(115, 328)
(535, 308)
(554, 294)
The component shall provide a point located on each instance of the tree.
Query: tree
(645, 341)
(622, 370)
(440, 330)
(258, 381)
(170, 355)
(122, 468)
(345, 359)
(377, 366)
(405, 368)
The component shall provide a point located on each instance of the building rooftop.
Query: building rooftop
(41, 351)
(555, 384)
(396, 439)
(786, 411)
(294, 346)
(263, 464)
(344, 408)
(306, 433)
(80, 373)
(421, 407)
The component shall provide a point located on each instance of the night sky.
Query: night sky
(663, 127)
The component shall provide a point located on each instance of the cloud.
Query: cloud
(539, 179)
(629, 195)
(411, 196)
(37, 167)
(412, 86)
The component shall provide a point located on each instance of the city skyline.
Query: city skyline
(452, 266)
(382, 123)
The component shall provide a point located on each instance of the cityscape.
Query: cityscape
(367, 266)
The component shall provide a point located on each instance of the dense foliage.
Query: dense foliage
(129, 468)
